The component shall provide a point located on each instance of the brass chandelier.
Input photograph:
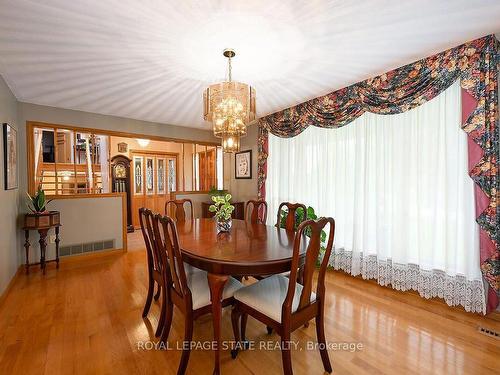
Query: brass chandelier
(230, 106)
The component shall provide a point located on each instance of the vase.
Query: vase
(224, 226)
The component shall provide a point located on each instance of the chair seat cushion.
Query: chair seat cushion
(267, 296)
(190, 269)
(200, 292)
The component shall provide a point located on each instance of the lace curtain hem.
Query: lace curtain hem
(455, 290)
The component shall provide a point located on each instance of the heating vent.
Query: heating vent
(86, 247)
(489, 332)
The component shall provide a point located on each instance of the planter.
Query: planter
(224, 226)
(42, 219)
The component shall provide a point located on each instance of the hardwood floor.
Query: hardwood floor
(86, 319)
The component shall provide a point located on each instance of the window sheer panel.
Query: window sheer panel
(397, 186)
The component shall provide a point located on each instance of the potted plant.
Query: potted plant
(37, 202)
(214, 192)
(223, 210)
(39, 216)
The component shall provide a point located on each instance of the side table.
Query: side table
(41, 222)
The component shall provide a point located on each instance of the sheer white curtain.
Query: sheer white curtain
(398, 188)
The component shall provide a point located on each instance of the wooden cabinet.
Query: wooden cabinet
(238, 213)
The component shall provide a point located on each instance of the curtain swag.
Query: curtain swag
(476, 65)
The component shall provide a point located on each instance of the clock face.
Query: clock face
(120, 171)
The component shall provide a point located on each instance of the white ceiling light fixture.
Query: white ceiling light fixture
(143, 142)
(230, 106)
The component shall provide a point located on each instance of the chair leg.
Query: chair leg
(163, 310)
(286, 354)
(244, 318)
(149, 298)
(320, 332)
(188, 335)
(169, 311)
(235, 317)
(158, 291)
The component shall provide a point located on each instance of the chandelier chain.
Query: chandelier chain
(229, 68)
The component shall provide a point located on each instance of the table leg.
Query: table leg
(57, 247)
(27, 249)
(216, 284)
(43, 247)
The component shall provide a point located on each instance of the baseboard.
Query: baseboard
(12, 281)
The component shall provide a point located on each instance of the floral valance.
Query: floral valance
(476, 65)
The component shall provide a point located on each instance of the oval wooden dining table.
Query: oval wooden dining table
(248, 249)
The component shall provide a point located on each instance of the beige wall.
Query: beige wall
(9, 248)
(243, 189)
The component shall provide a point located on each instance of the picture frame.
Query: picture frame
(10, 157)
(243, 164)
(122, 147)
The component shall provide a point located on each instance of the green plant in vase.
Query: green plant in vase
(223, 209)
(38, 201)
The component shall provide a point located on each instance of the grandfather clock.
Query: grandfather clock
(120, 171)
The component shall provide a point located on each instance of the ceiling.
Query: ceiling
(151, 60)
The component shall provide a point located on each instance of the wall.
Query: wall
(8, 198)
(243, 189)
(106, 221)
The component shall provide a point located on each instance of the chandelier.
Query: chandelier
(230, 106)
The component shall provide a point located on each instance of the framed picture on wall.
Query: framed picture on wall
(243, 164)
(10, 156)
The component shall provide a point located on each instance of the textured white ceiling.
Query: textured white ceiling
(151, 60)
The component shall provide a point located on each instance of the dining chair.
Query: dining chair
(284, 304)
(154, 267)
(188, 291)
(291, 219)
(253, 207)
(180, 213)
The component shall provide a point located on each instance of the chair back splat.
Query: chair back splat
(257, 210)
(314, 229)
(291, 219)
(179, 211)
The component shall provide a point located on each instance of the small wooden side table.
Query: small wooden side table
(42, 223)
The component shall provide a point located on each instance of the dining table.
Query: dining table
(248, 249)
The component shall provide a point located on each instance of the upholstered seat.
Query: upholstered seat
(191, 269)
(267, 296)
(200, 292)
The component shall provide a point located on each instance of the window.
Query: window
(66, 160)
(398, 189)
(69, 162)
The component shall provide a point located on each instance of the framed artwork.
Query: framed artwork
(138, 173)
(160, 176)
(122, 147)
(243, 164)
(150, 179)
(10, 156)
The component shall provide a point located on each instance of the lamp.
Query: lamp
(230, 106)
